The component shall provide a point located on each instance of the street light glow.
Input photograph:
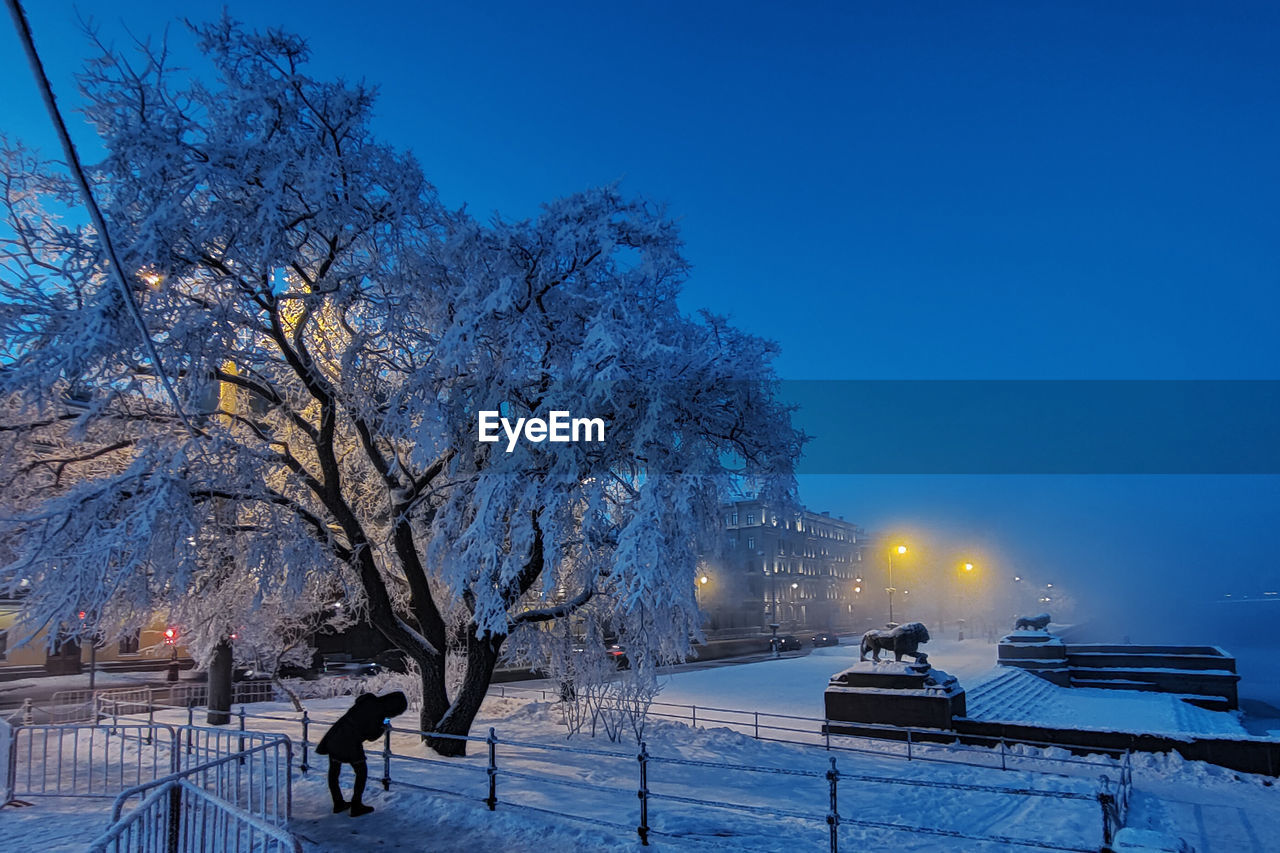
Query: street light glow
(702, 579)
(968, 567)
(902, 549)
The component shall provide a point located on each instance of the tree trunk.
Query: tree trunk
(288, 691)
(435, 695)
(482, 656)
(220, 685)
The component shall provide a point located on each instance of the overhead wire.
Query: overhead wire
(23, 26)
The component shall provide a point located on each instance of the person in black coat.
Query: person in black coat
(343, 743)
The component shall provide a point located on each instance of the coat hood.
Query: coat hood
(392, 704)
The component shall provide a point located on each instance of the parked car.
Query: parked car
(249, 673)
(615, 653)
(289, 670)
(789, 643)
(343, 665)
(825, 638)
(393, 660)
(619, 656)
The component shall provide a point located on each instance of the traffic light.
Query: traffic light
(170, 636)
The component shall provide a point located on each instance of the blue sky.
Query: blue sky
(893, 191)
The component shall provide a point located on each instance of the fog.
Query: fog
(1144, 558)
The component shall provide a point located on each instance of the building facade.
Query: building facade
(799, 569)
(148, 648)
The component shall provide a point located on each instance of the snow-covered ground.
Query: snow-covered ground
(795, 685)
(585, 799)
(1015, 696)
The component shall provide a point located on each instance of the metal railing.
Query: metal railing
(84, 760)
(257, 779)
(242, 692)
(251, 770)
(1115, 802)
(7, 763)
(489, 775)
(74, 706)
(760, 808)
(219, 744)
(906, 742)
(179, 817)
(224, 790)
(126, 701)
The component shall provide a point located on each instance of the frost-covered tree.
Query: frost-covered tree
(333, 332)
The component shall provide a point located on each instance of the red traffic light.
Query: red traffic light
(170, 636)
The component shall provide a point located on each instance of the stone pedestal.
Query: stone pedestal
(895, 693)
(1035, 651)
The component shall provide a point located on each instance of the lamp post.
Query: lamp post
(901, 549)
(171, 640)
(698, 596)
(966, 571)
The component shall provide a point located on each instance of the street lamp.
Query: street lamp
(966, 571)
(171, 640)
(901, 549)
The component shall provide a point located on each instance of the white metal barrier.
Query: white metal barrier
(242, 692)
(87, 760)
(7, 766)
(74, 706)
(250, 770)
(123, 702)
(179, 817)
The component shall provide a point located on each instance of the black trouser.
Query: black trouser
(335, 789)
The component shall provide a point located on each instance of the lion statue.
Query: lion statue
(1039, 622)
(902, 640)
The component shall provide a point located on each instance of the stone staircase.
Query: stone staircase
(1012, 694)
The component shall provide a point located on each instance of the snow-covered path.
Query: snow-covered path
(1214, 809)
